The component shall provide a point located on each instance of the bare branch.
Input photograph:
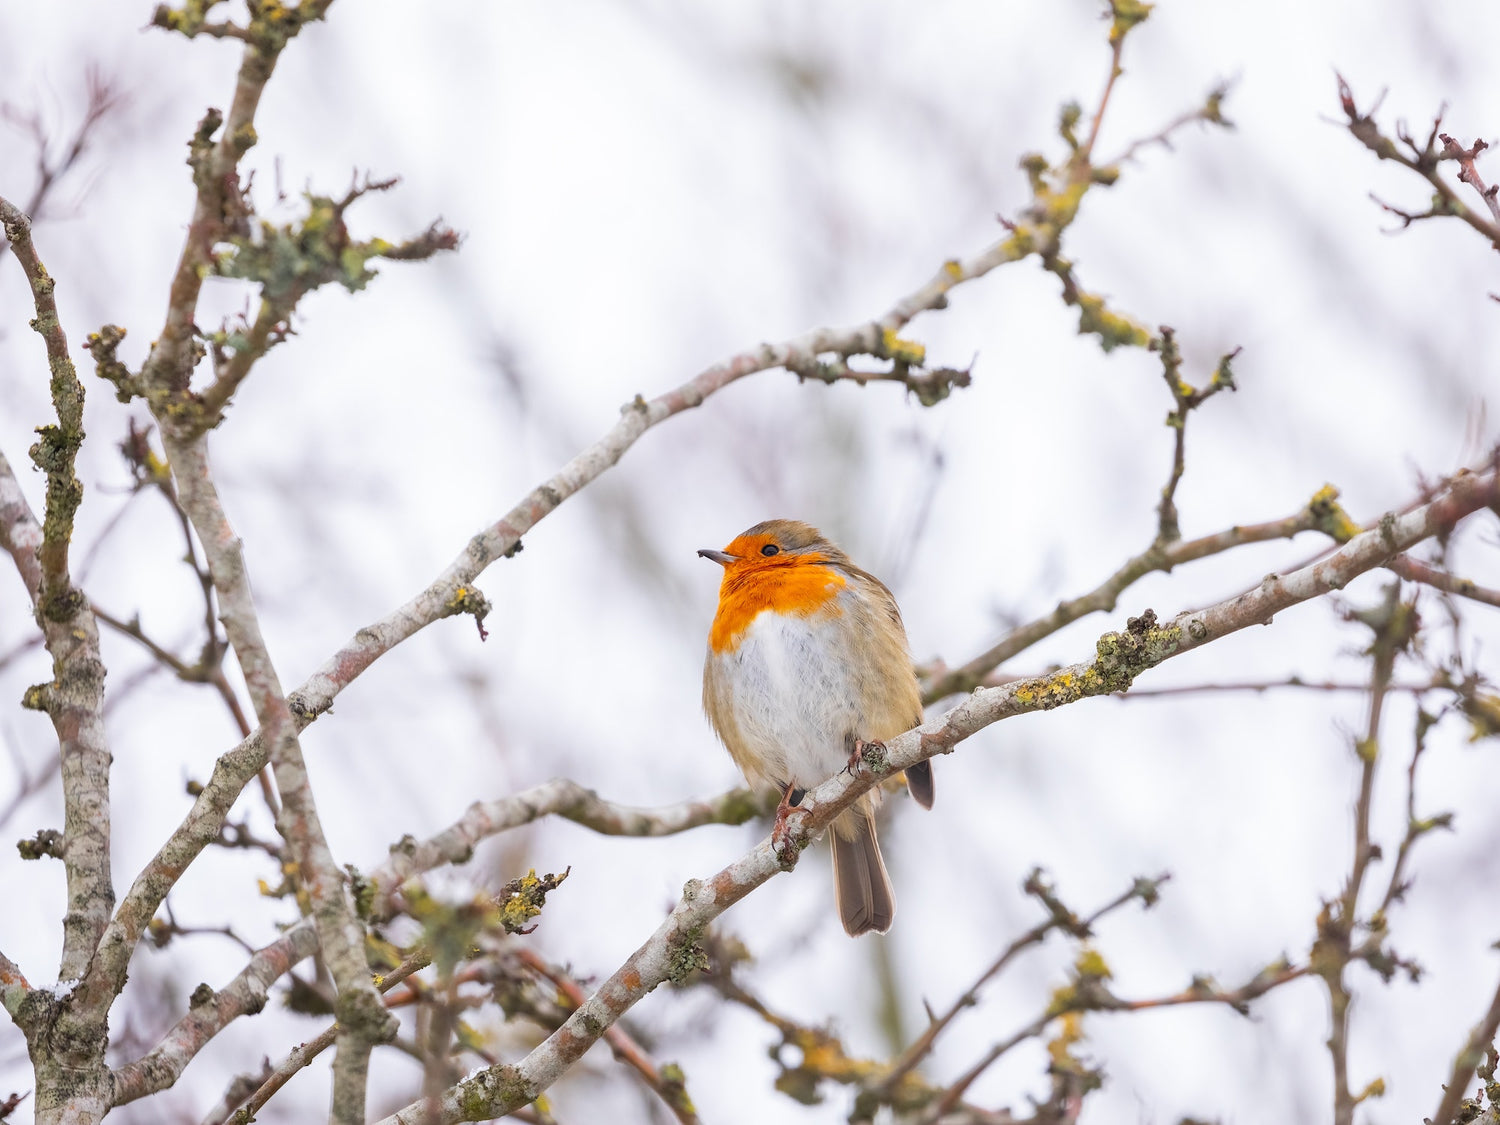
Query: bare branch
(1394, 624)
(14, 987)
(278, 1075)
(220, 206)
(452, 592)
(671, 952)
(1414, 570)
(20, 534)
(1089, 993)
(74, 700)
(1185, 398)
(1480, 1040)
(559, 797)
(210, 1013)
(341, 936)
(1211, 112)
(57, 450)
(1058, 918)
(1102, 599)
(664, 1081)
(1273, 685)
(103, 99)
(1423, 160)
(1468, 171)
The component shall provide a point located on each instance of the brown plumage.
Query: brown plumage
(807, 658)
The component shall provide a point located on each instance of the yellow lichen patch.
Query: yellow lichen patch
(823, 1057)
(1329, 516)
(1113, 329)
(904, 351)
(1070, 1034)
(1483, 711)
(1127, 13)
(1022, 241)
(1090, 963)
(954, 269)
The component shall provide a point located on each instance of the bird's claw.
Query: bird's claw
(857, 755)
(782, 843)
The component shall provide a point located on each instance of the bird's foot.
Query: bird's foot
(784, 837)
(872, 752)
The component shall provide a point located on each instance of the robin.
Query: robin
(808, 665)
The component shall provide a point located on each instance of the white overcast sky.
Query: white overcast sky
(647, 187)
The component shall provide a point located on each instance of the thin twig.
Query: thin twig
(103, 99)
(1468, 171)
(1103, 598)
(278, 1075)
(1414, 570)
(1185, 399)
(670, 952)
(1143, 889)
(559, 797)
(1097, 998)
(1423, 160)
(669, 1089)
(210, 1012)
(1393, 623)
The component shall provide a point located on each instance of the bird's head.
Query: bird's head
(772, 545)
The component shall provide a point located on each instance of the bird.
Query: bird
(807, 666)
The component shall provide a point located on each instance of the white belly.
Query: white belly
(794, 702)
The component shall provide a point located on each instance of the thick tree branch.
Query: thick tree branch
(277, 1076)
(220, 207)
(70, 1030)
(14, 987)
(671, 952)
(559, 797)
(210, 1013)
(57, 450)
(362, 1018)
(665, 1082)
(452, 591)
(20, 534)
(1159, 556)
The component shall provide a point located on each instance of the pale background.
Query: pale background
(645, 188)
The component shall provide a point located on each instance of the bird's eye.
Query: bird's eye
(769, 549)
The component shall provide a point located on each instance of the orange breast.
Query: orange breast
(801, 589)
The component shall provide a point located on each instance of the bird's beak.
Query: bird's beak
(723, 558)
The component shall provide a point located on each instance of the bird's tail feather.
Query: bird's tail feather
(860, 883)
